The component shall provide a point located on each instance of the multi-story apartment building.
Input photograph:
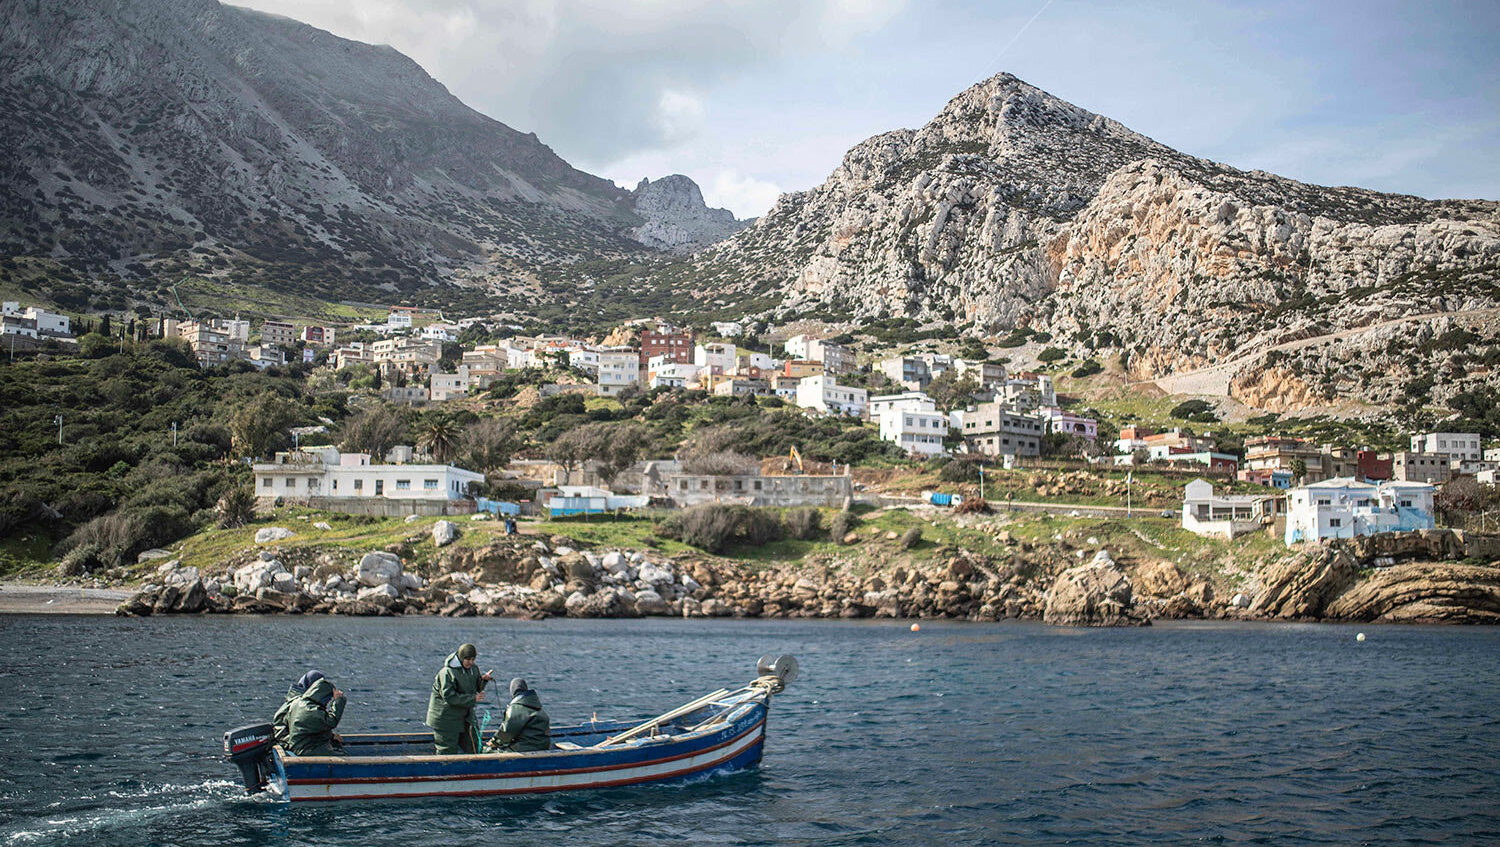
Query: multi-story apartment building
(675, 344)
(988, 375)
(442, 386)
(994, 430)
(798, 368)
(824, 394)
(911, 372)
(44, 323)
(1435, 468)
(715, 357)
(414, 356)
(1463, 446)
(1344, 508)
(618, 370)
(277, 332)
(914, 429)
(1278, 453)
(318, 335)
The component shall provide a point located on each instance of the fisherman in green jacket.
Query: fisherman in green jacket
(311, 721)
(525, 727)
(294, 692)
(450, 709)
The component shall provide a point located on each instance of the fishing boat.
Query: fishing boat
(721, 732)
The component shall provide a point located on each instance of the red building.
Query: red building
(676, 346)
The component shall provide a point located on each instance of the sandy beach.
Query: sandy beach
(18, 599)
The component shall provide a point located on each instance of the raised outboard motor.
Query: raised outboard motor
(249, 748)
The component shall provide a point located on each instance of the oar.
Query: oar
(659, 719)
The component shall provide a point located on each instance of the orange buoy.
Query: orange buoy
(916, 627)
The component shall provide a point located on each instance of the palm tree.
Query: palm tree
(437, 434)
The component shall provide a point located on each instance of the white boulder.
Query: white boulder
(444, 533)
(650, 603)
(284, 582)
(656, 574)
(266, 535)
(378, 591)
(615, 563)
(379, 568)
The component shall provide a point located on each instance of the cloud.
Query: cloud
(746, 196)
(598, 80)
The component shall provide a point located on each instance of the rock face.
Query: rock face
(1425, 592)
(379, 568)
(1301, 587)
(149, 129)
(1094, 594)
(1013, 207)
(676, 217)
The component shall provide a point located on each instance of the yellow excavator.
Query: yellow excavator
(794, 459)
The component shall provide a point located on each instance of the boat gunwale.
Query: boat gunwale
(602, 768)
(498, 792)
(291, 759)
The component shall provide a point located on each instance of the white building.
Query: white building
(583, 358)
(836, 358)
(987, 374)
(728, 329)
(440, 332)
(1343, 507)
(1492, 454)
(914, 430)
(1224, 515)
(324, 472)
(1061, 421)
(824, 394)
(446, 386)
(47, 323)
(715, 355)
(912, 372)
(915, 400)
(398, 319)
(618, 370)
(1463, 446)
(672, 375)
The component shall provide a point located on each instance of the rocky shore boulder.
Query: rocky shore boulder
(1299, 587)
(1093, 594)
(1428, 592)
(379, 568)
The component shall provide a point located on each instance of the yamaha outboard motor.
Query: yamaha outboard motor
(249, 748)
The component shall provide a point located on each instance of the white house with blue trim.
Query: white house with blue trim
(1344, 507)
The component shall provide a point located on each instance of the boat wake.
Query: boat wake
(98, 815)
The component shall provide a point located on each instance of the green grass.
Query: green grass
(224, 298)
(26, 558)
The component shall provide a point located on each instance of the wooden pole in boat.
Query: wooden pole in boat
(659, 719)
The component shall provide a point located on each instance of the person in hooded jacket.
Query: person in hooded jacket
(312, 719)
(279, 728)
(456, 688)
(526, 726)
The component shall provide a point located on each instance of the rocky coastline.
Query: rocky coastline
(1437, 576)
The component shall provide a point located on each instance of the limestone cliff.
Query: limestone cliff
(677, 218)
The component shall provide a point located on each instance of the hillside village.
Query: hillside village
(927, 405)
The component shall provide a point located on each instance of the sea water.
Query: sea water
(111, 731)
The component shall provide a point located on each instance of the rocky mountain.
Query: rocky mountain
(677, 218)
(146, 136)
(1013, 208)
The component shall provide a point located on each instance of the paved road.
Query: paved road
(1028, 506)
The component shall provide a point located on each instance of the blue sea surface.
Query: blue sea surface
(1011, 733)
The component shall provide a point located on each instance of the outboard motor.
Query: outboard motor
(249, 748)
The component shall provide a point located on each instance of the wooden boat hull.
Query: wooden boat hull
(389, 766)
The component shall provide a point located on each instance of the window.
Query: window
(359, 484)
(290, 484)
(757, 485)
(379, 487)
(1335, 521)
(266, 483)
(430, 484)
(403, 485)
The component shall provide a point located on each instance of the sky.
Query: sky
(752, 99)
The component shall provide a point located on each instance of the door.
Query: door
(379, 487)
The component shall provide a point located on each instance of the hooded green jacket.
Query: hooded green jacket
(455, 690)
(279, 729)
(526, 726)
(310, 723)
